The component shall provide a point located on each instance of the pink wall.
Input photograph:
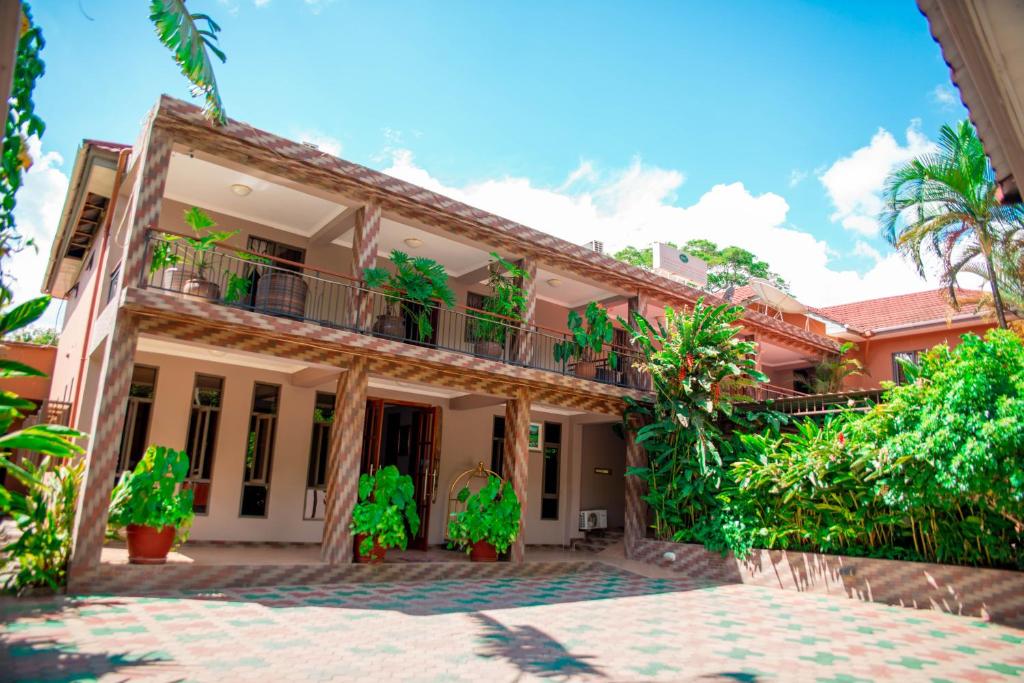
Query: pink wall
(876, 354)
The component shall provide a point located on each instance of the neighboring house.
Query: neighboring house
(283, 396)
(981, 41)
(901, 327)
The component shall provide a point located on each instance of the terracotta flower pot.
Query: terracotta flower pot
(482, 551)
(149, 545)
(376, 555)
(490, 349)
(390, 326)
(201, 288)
(586, 369)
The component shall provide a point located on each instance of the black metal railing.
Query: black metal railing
(301, 292)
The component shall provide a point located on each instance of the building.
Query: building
(284, 393)
(981, 42)
(894, 327)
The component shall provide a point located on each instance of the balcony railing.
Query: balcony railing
(296, 291)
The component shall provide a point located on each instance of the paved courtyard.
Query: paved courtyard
(614, 626)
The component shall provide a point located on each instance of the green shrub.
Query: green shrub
(44, 510)
(152, 494)
(935, 472)
(700, 368)
(490, 515)
(387, 504)
(44, 516)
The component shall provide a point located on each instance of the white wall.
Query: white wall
(466, 440)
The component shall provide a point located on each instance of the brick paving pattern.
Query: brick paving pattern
(610, 625)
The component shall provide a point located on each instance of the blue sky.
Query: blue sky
(769, 125)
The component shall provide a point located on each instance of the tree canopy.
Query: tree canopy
(730, 266)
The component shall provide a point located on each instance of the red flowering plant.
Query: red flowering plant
(699, 368)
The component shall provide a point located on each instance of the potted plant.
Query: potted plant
(152, 506)
(489, 522)
(586, 341)
(413, 288)
(385, 515)
(188, 275)
(505, 307)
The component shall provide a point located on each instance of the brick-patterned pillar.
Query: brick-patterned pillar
(523, 352)
(343, 460)
(147, 194)
(116, 369)
(517, 454)
(104, 445)
(364, 255)
(636, 508)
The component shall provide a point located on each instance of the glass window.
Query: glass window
(259, 451)
(319, 449)
(549, 473)
(898, 375)
(207, 397)
(498, 446)
(135, 435)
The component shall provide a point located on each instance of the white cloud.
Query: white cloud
(637, 206)
(37, 213)
(855, 183)
(324, 142)
(796, 176)
(864, 249)
(945, 96)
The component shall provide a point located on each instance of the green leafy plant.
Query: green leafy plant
(490, 515)
(386, 511)
(180, 33)
(505, 306)
(44, 516)
(699, 367)
(587, 336)
(43, 510)
(152, 494)
(40, 336)
(935, 472)
(416, 285)
(205, 241)
(21, 124)
(830, 374)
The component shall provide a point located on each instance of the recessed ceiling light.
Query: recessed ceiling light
(555, 282)
(241, 190)
(413, 242)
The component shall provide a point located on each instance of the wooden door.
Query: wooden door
(428, 447)
(424, 446)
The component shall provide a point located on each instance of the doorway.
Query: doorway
(408, 436)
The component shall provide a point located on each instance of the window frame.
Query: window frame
(266, 470)
(210, 452)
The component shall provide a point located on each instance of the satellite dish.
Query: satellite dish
(773, 297)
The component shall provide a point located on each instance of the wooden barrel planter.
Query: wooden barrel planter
(282, 293)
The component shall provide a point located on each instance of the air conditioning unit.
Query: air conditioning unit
(593, 519)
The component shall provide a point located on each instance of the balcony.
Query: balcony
(288, 289)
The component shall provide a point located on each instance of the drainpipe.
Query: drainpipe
(122, 164)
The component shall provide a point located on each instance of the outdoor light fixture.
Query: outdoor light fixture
(413, 242)
(241, 190)
(555, 282)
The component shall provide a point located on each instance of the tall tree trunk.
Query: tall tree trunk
(997, 299)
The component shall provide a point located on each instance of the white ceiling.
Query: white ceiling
(201, 183)
(775, 356)
(571, 293)
(212, 354)
(456, 257)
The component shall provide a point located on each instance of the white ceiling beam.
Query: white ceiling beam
(314, 376)
(336, 227)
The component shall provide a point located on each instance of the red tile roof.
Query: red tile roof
(903, 310)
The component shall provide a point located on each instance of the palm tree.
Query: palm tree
(945, 204)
